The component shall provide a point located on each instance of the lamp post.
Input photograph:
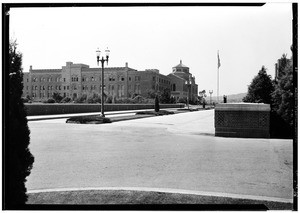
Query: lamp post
(188, 83)
(102, 60)
(210, 92)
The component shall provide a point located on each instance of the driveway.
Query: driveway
(175, 152)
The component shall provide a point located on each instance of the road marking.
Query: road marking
(167, 190)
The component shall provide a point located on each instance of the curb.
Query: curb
(167, 190)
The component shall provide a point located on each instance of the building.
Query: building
(183, 83)
(75, 80)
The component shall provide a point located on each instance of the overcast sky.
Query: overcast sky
(158, 37)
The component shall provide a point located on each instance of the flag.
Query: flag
(219, 63)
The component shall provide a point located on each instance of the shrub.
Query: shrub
(182, 100)
(50, 101)
(18, 159)
(109, 99)
(57, 97)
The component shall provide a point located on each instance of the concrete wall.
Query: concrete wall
(51, 109)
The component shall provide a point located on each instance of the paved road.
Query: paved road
(175, 151)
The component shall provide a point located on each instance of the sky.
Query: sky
(158, 38)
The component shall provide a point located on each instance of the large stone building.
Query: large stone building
(74, 80)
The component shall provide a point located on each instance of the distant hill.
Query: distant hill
(234, 98)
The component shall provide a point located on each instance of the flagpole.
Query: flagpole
(219, 64)
(218, 87)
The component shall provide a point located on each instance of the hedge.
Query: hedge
(52, 109)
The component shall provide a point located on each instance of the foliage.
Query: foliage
(57, 97)
(81, 99)
(282, 65)
(50, 101)
(165, 97)
(151, 94)
(88, 119)
(260, 89)
(182, 100)
(156, 105)
(66, 100)
(18, 159)
(172, 100)
(283, 100)
(95, 98)
(283, 95)
(109, 99)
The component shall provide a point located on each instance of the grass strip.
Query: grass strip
(159, 113)
(111, 197)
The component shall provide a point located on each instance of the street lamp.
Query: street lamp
(210, 92)
(102, 60)
(188, 83)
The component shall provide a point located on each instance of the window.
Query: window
(137, 89)
(153, 78)
(27, 80)
(129, 78)
(64, 79)
(137, 78)
(67, 87)
(174, 87)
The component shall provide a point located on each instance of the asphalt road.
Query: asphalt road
(175, 151)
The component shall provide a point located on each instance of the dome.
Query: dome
(180, 65)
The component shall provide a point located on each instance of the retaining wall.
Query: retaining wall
(52, 109)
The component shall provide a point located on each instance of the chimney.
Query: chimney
(30, 68)
(126, 64)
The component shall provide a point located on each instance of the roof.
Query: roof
(176, 76)
(180, 65)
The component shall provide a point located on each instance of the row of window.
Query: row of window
(43, 79)
(49, 87)
(161, 80)
(76, 79)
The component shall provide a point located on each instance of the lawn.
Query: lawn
(113, 197)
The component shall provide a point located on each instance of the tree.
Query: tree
(165, 97)
(18, 159)
(283, 102)
(156, 106)
(260, 89)
(281, 66)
